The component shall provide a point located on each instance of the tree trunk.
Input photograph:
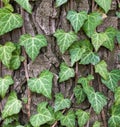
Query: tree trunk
(45, 19)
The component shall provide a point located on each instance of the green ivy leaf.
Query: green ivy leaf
(42, 84)
(82, 117)
(33, 44)
(25, 4)
(61, 103)
(60, 2)
(65, 40)
(104, 4)
(4, 85)
(114, 120)
(6, 1)
(6, 53)
(112, 80)
(42, 117)
(101, 68)
(97, 101)
(9, 21)
(96, 124)
(77, 19)
(76, 53)
(94, 19)
(118, 36)
(68, 120)
(90, 57)
(110, 36)
(98, 39)
(79, 94)
(117, 96)
(65, 72)
(12, 106)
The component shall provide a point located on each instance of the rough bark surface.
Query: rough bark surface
(45, 19)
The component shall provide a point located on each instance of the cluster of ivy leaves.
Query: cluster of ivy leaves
(82, 51)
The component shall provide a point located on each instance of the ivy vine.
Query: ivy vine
(82, 52)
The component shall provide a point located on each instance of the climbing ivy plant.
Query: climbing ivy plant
(82, 52)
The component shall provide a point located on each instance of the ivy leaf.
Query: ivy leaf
(117, 96)
(112, 80)
(77, 19)
(42, 117)
(118, 36)
(42, 84)
(97, 101)
(61, 103)
(33, 44)
(89, 57)
(12, 106)
(4, 85)
(65, 40)
(9, 21)
(94, 19)
(6, 53)
(82, 117)
(98, 39)
(105, 5)
(85, 84)
(65, 72)
(114, 120)
(68, 120)
(110, 35)
(60, 2)
(25, 4)
(96, 124)
(101, 68)
(76, 53)
(79, 94)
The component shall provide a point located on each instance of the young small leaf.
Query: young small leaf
(65, 40)
(43, 116)
(6, 53)
(101, 68)
(65, 72)
(90, 57)
(61, 103)
(33, 44)
(9, 21)
(42, 84)
(4, 85)
(82, 117)
(68, 120)
(96, 124)
(12, 106)
(77, 19)
(79, 94)
(94, 19)
(76, 53)
(98, 39)
(97, 101)
(112, 80)
(25, 4)
(104, 4)
(60, 2)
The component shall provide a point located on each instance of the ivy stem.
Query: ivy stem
(72, 96)
(26, 72)
(103, 112)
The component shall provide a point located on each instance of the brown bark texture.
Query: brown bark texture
(45, 19)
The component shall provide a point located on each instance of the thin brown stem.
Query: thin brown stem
(26, 72)
(103, 112)
(72, 96)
